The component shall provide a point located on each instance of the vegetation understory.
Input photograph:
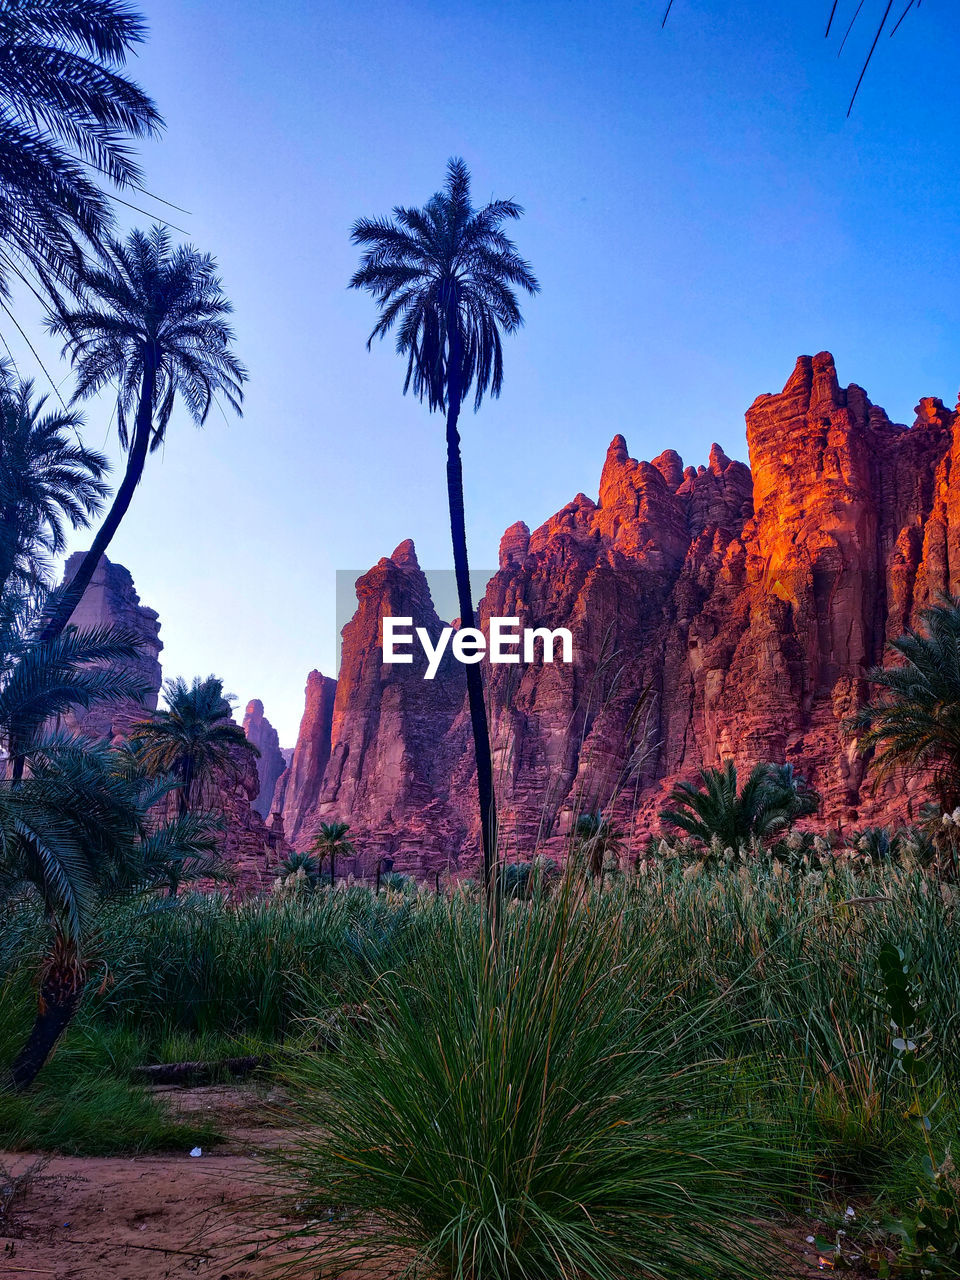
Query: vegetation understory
(620, 1081)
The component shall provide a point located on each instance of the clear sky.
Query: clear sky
(700, 211)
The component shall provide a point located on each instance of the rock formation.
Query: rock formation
(111, 600)
(271, 763)
(298, 788)
(249, 847)
(718, 611)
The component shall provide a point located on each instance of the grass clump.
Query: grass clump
(521, 1108)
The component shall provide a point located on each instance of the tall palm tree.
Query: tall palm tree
(771, 799)
(76, 834)
(913, 722)
(47, 480)
(153, 322)
(66, 113)
(331, 840)
(192, 741)
(446, 276)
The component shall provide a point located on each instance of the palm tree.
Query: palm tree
(595, 839)
(331, 840)
(154, 323)
(446, 276)
(65, 109)
(771, 799)
(77, 833)
(914, 721)
(192, 741)
(46, 481)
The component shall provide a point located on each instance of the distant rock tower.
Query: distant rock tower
(111, 600)
(271, 763)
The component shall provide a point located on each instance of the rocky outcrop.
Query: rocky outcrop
(719, 611)
(270, 763)
(298, 788)
(249, 846)
(111, 600)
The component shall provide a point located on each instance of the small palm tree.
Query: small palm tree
(595, 839)
(446, 276)
(771, 799)
(294, 863)
(153, 322)
(65, 110)
(914, 721)
(46, 481)
(330, 841)
(192, 741)
(77, 833)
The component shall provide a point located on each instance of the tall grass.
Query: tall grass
(525, 1109)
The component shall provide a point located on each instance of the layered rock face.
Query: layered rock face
(111, 600)
(250, 847)
(719, 611)
(298, 788)
(393, 754)
(271, 763)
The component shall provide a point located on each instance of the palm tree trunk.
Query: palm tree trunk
(136, 460)
(61, 991)
(478, 711)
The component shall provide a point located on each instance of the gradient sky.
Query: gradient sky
(700, 211)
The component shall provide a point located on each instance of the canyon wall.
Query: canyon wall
(249, 846)
(271, 762)
(111, 600)
(717, 612)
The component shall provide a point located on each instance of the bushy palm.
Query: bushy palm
(152, 322)
(445, 277)
(79, 832)
(192, 740)
(296, 863)
(913, 723)
(595, 839)
(331, 841)
(66, 112)
(47, 480)
(770, 800)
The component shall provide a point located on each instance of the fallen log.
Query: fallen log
(187, 1073)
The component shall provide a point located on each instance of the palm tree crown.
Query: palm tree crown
(157, 310)
(46, 481)
(445, 276)
(331, 841)
(153, 322)
(914, 721)
(193, 740)
(596, 839)
(64, 108)
(771, 799)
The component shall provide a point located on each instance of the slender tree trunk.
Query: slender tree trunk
(333, 869)
(61, 990)
(478, 711)
(136, 460)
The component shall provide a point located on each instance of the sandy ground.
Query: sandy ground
(163, 1217)
(174, 1217)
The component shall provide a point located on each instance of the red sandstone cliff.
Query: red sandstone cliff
(716, 611)
(249, 847)
(270, 763)
(111, 600)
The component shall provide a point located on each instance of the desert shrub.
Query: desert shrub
(524, 1108)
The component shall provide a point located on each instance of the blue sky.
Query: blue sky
(700, 211)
